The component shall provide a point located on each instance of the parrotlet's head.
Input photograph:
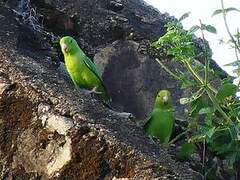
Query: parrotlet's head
(68, 45)
(163, 99)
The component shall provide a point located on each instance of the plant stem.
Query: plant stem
(209, 90)
(205, 56)
(227, 27)
(177, 137)
(168, 70)
(237, 37)
(197, 77)
(238, 42)
(236, 53)
(215, 103)
(194, 74)
(203, 158)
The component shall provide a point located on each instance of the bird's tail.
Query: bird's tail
(106, 98)
(104, 95)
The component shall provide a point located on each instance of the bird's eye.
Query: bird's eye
(71, 41)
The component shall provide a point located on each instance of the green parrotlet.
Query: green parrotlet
(81, 69)
(161, 120)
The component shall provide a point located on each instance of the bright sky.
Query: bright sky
(203, 10)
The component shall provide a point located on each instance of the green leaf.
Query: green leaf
(232, 159)
(197, 138)
(193, 29)
(184, 101)
(234, 63)
(235, 131)
(231, 9)
(197, 106)
(185, 151)
(226, 90)
(237, 71)
(210, 132)
(218, 11)
(205, 132)
(209, 28)
(186, 83)
(184, 16)
(156, 44)
(221, 140)
(206, 110)
(193, 98)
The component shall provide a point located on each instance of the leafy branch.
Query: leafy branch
(235, 39)
(218, 106)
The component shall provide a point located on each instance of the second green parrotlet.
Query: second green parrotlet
(160, 123)
(81, 69)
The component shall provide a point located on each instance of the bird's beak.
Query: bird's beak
(64, 47)
(165, 98)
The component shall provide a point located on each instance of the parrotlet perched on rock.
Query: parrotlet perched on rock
(81, 69)
(161, 120)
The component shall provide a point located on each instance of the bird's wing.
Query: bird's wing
(92, 67)
(148, 120)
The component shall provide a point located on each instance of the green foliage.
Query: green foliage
(174, 39)
(221, 11)
(205, 27)
(209, 28)
(234, 63)
(213, 111)
(234, 41)
(226, 90)
(184, 16)
(185, 151)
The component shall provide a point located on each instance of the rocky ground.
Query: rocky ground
(48, 129)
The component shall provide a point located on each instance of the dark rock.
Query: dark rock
(133, 79)
(93, 18)
(115, 6)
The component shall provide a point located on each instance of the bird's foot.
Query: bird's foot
(94, 91)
